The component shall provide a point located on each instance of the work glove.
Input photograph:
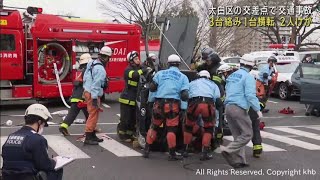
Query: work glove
(95, 103)
(259, 114)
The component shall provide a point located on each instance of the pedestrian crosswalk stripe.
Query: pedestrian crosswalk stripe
(313, 127)
(299, 132)
(266, 147)
(289, 141)
(64, 147)
(117, 148)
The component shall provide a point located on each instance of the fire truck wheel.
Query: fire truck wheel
(49, 54)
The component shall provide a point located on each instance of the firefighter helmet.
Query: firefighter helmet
(131, 55)
(84, 58)
(40, 111)
(106, 50)
(248, 60)
(210, 55)
(173, 58)
(153, 56)
(204, 73)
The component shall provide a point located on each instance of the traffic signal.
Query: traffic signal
(34, 10)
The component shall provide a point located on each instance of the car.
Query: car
(307, 78)
(233, 61)
(285, 67)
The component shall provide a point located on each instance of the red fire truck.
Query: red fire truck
(32, 43)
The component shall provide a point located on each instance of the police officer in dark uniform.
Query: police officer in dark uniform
(77, 101)
(25, 155)
(126, 127)
(212, 63)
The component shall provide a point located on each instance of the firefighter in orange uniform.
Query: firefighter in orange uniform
(94, 83)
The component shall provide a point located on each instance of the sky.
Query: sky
(87, 9)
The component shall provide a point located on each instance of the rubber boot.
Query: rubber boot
(205, 154)
(185, 153)
(64, 131)
(173, 156)
(95, 137)
(90, 139)
(257, 151)
(146, 151)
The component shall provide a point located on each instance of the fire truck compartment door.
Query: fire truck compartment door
(11, 55)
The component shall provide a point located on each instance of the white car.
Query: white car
(285, 67)
(233, 61)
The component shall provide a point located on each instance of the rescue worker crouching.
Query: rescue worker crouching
(240, 96)
(170, 87)
(77, 101)
(25, 152)
(126, 127)
(94, 83)
(212, 63)
(204, 96)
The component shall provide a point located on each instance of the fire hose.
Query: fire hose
(59, 85)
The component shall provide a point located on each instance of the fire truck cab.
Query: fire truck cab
(32, 43)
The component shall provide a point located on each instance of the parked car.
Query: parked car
(285, 67)
(234, 61)
(307, 79)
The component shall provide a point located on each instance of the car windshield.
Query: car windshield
(287, 67)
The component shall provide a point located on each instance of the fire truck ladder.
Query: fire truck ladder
(29, 50)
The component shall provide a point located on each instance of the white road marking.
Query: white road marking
(290, 141)
(61, 112)
(273, 102)
(56, 125)
(117, 148)
(266, 147)
(64, 147)
(105, 105)
(299, 132)
(306, 126)
(313, 127)
(118, 115)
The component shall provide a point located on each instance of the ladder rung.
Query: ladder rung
(29, 73)
(29, 50)
(29, 62)
(29, 38)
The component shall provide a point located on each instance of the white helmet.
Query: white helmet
(106, 50)
(173, 58)
(39, 110)
(225, 68)
(84, 58)
(248, 59)
(153, 56)
(204, 73)
(131, 55)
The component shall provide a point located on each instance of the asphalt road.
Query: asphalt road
(291, 151)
